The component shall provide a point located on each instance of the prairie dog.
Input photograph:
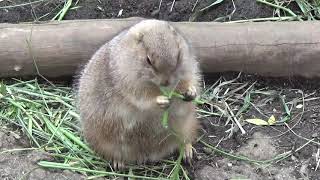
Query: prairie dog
(120, 101)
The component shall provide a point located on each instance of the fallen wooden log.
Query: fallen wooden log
(268, 48)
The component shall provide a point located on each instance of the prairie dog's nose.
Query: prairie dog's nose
(164, 82)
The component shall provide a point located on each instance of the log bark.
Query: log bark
(57, 49)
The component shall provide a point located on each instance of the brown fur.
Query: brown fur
(117, 92)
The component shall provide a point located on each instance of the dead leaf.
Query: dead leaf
(258, 122)
(299, 106)
(272, 120)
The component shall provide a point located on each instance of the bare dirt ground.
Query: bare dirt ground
(22, 164)
(300, 135)
(182, 10)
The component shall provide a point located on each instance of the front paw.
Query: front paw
(163, 101)
(191, 94)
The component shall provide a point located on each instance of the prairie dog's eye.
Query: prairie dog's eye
(149, 61)
(151, 64)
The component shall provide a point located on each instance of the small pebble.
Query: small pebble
(314, 135)
(120, 13)
(207, 150)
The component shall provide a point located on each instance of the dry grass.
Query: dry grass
(47, 115)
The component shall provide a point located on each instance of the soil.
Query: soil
(265, 142)
(95, 9)
(23, 164)
(259, 142)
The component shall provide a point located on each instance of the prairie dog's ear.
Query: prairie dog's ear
(136, 34)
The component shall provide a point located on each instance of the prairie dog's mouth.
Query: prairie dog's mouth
(171, 86)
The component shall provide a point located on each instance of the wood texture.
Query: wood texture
(268, 48)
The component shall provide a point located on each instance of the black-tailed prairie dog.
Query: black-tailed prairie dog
(120, 101)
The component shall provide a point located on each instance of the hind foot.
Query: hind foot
(118, 165)
(188, 153)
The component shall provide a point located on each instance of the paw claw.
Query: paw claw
(191, 94)
(163, 101)
(188, 154)
(118, 165)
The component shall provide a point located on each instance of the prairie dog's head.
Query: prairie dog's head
(156, 51)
